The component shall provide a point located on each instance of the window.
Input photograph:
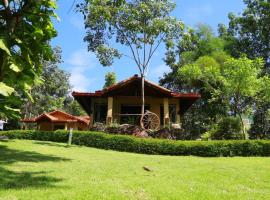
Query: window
(172, 113)
(132, 114)
(100, 113)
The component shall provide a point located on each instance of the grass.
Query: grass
(46, 170)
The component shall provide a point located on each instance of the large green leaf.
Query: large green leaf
(5, 90)
(15, 68)
(12, 109)
(4, 47)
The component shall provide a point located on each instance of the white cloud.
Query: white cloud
(81, 63)
(82, 58)
(196, 13)
(159, 71)
(77, 22)
(80, 81)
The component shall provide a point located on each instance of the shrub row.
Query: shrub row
(150, 146)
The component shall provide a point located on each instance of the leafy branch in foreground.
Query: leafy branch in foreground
(25, 31)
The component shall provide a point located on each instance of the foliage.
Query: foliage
(72, 107)
(150, 146)
(53, 92)
(196, 43)
(260, 128)
(110, 79)
(25, 31)
(250, 31)
(228, 128)
(141, 26)
(236, 81)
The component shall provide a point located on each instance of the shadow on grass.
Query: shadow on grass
(9, 156)
(22, 179)
(16, 180)
(52, 144)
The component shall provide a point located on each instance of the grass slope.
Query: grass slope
(45, 170)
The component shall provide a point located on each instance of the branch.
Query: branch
(131, 48)
(13, 18)
(153, 51)
(144, 51)
(138, 55)
(129, 57)
(73, 3)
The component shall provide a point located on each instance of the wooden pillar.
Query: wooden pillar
(66, 126)
(91, 120)
(25, 126)
(166, 111)
(75, 126)
(178, 119)
(110, 111)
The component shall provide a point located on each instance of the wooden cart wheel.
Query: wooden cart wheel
(150, 121)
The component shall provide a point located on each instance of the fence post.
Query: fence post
(70, 136)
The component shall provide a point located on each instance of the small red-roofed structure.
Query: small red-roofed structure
(58, 120)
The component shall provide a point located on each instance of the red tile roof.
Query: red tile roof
(58, 116)
(163, 90)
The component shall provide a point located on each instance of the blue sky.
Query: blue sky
(86, 72)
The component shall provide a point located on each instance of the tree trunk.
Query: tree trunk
(243, 126)
(142, 98)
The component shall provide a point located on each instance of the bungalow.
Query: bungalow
(121, 102)
(58, 120)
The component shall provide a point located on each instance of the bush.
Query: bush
(150, 146)
(228, 128)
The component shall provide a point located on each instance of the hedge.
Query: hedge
(150, 146)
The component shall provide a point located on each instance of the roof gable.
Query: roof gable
(58, 116)
(130, 87)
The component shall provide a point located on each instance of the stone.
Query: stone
(176, 126)
(165, 134)
(141, 134)
(127, 129)
(113, 130)
(98, 127)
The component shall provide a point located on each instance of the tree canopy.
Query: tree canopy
(25, 31)
(140, 25)
(110, 79)
(251, 30)
(53, 92)
(236, 81)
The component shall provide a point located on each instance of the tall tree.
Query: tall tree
(25, 31)
(110, 79)
(140, 25)
(251, 30)
(236, 81)
(194, 44)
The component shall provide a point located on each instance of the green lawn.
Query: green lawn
(44, 170)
